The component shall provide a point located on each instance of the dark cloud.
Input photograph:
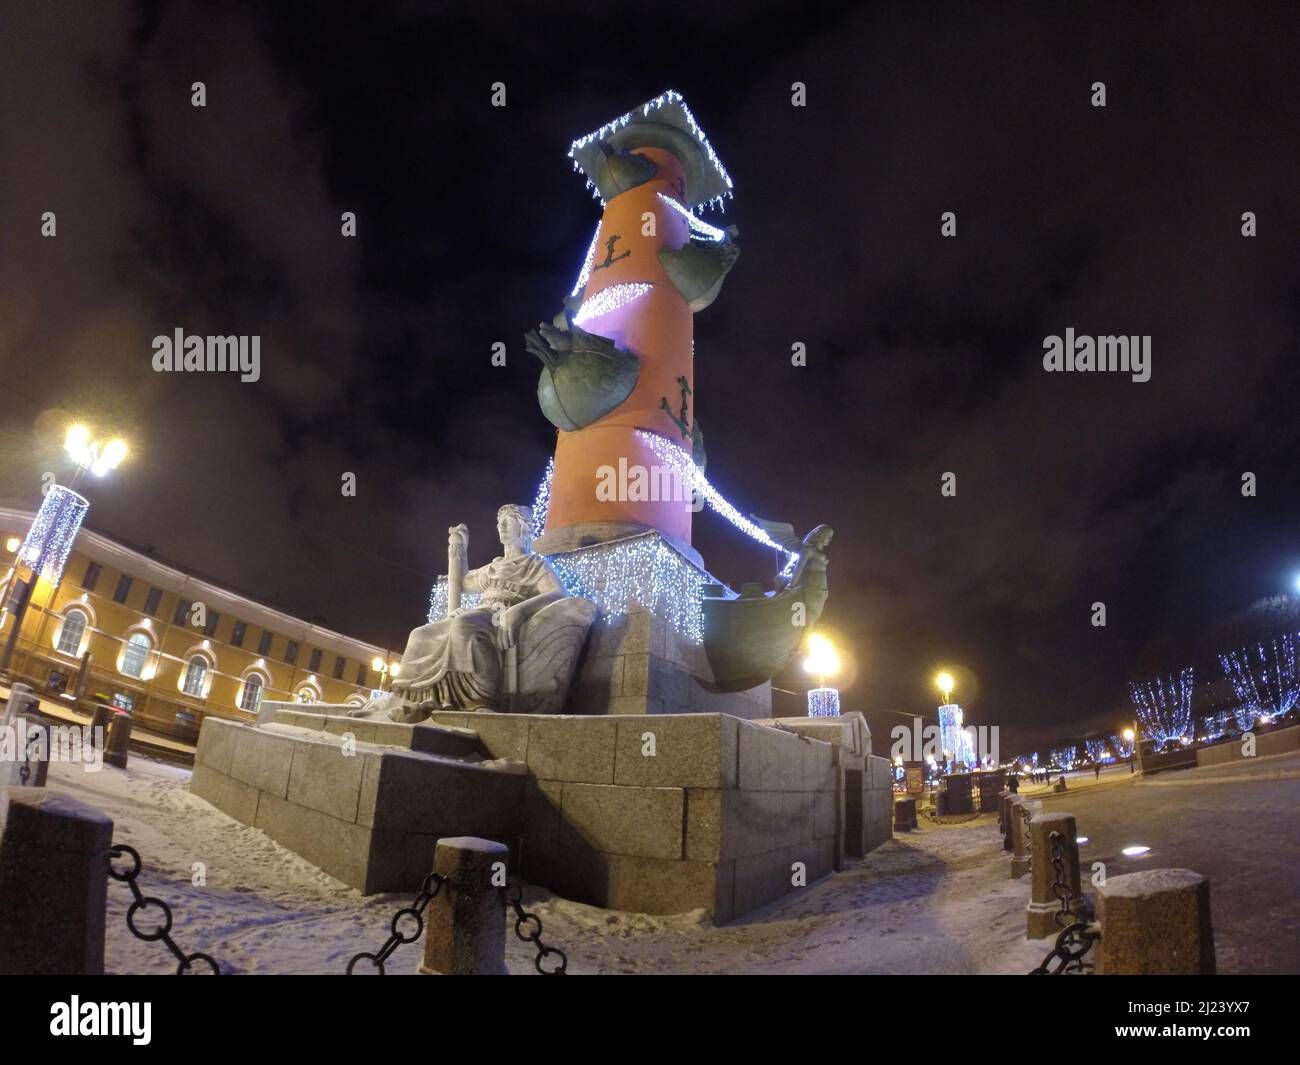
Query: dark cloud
(924, 353)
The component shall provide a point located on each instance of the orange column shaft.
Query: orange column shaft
(656, 326)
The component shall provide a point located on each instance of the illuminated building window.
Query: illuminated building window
(196, 675)
(135, 655)
(252, 693)
(264, 644)
(340, 664)
(182, 611)
(237, 634)
(92, 576)
(211, 626)
(72, 631)
(361, 675)
(291, 652)
(152, 600)
(314, 664)
(123, 589)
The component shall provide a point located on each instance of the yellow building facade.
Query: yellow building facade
(170, 647)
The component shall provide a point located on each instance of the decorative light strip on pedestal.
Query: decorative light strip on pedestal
(698, 225)
(1164, 707)
(637, 571)
(823, 702)
(438, 599)
(610, 299)
(542, 500)
(49, 541)
(670, 97)
(668, 452)
(1263, 679)
(587, 263)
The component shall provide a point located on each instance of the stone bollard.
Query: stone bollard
(53, 884)
(1004, 817)
(119, 740)
(1020, 811)
(1002, 810)
(904, 815)
(1044, 904)
(467, 920)
(24, 751)
(1157, 923)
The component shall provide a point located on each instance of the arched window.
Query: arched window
(252, 693)
(74, 627)
(196, 674)
(135, 654)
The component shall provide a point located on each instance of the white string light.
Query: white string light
(1165, 707)
(49, 541)
(1263, 679)
(823, 702)
(611, 299)
(698, 225)
(587, 263)
(668, 452)
(671, 98)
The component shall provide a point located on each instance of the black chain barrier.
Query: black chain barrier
(162, 932)
(32, 754)
(522, 917)
(1077, 936)
(428, 892)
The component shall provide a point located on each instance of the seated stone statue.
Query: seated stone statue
(515, 650)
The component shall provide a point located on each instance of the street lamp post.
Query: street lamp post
(1131, 736)
(45, 549)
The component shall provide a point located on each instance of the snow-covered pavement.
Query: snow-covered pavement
(938, 900)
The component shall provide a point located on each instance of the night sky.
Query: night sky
(924, 353)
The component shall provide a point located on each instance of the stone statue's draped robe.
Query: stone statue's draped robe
(455, 662)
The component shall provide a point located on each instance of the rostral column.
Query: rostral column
(620, 357)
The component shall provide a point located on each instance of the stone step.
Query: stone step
(423, 738)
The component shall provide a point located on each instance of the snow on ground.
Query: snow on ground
(938, 900)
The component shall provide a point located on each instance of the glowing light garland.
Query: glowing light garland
(637, 571)
(611, 299)
(1215, 724)
(668, 452)
(1097, 750)
(697, 224)
(49, 541)
(953, 738)
(1123, 747)
(542, 500)
(667, 99)
(823, 702)
(1263, 679)
(1065, 757)
(1164, 707)
(587, 264)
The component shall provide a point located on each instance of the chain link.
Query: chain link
(142, 902)
(32, 753)
(1077, 936)
(428, 892)
(523, 917)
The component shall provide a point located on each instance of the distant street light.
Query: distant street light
(1130, 737)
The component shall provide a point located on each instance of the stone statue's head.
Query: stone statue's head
(515, 525)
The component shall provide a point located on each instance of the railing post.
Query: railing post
(1156, 922)
(53, 884)
(467, 920)
(1020, 856)
(1044, 903)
